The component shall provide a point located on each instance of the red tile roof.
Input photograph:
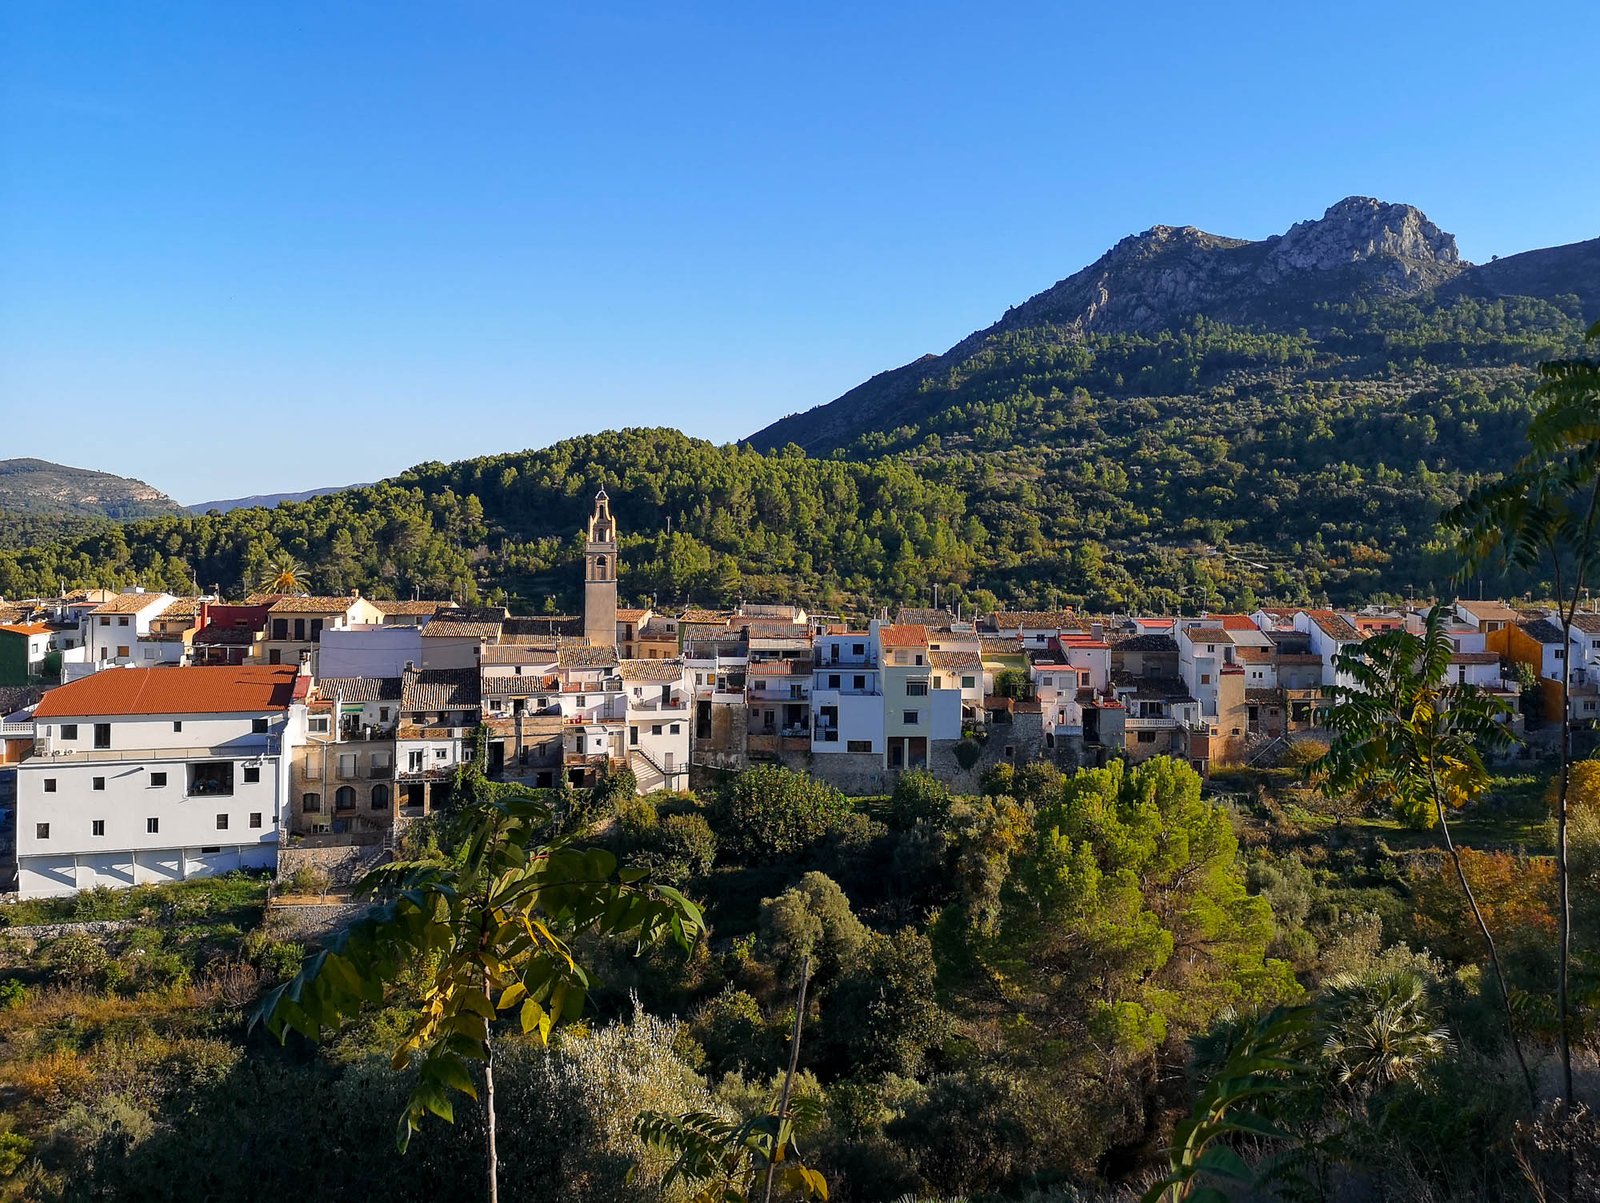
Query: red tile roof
(903, 635)
(25, 628)
(245, 689)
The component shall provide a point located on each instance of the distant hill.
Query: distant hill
(1361, 252)
(38, 487)
(266, 500)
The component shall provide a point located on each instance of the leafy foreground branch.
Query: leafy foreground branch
(493, 930)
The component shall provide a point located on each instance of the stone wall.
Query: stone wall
(51, 931)
(342, 863)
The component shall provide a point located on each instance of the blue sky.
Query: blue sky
(265, 247)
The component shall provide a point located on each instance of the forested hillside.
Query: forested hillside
(1113, 443)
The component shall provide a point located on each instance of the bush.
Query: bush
(734, 1034)
(771, 814)
(636, 820)
(971, 1132)
(687, 839)
(919, 797)
(77, 958)
(12, 992)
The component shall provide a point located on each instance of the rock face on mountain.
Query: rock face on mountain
(1361, 248)
(36, 486)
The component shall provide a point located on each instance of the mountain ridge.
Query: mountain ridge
(38, 486)
(1361, 249)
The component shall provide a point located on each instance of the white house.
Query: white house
(113, 629)
(156, 774)
(846, 694)
(657, 695)
(370, 650)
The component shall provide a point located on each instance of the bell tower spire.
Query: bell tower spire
(600, 575)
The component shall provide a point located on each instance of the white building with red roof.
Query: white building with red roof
(156, 774)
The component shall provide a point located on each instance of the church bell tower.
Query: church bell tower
(600, 576)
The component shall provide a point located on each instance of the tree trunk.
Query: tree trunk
(488, 1111)
(788, 1078)
(1488, 940)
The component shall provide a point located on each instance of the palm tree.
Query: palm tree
(1403, 735)
(1380, 1030)
(1546, 512)
(285, 574)
(490, 932)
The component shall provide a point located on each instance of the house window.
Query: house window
(177, 725)
(310, 803)
(152, 826)
(157, 780)
(912, 718)
(255, 818)
(441, 753)
(1205, 678)
(258, 726)
(655, 728)
(677, 728)
(122, 620)
(1147, 737)
(833, 680)
(102, 735)
(98, 827)
(969, 682)
(858, 745)
(99, 783)
(1011, 752)
(252, 774)
(69, 730)
(222, 822)
(318, 726)
(41, 831)
(633, 735)
(49, 785)
(104, 621)
(858, 649)
(916, 689)
(859, 683)
(205, 851)
(380, 797)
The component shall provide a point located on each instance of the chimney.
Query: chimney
(1097, 630)
(357, 594)
(305, 664)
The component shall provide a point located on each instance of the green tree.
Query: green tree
(1405, 736)
(490, 932)
(284, 574)
(771, 813)
(1546, 513)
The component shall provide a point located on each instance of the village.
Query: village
(150, 738)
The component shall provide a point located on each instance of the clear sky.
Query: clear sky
(263, 247)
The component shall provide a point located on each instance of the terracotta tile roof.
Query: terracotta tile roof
(519, 686)
(1161, 623)
(1207, 634)
(775, 628)
(225, 636)
(633, 615)
(934, 620)
(1588, 623)
(651, 670)
(312, 605)
(1493, 611)
(955, 660)
(197, 690)
(129, 603)
(180, 607)
(1235, 622)
(432, 689)
(449, 628)
(584, 656)
(717, 617)
(360, 689)
(1475, 658)
(903, 635)
(410, 609)
(521, 653)
(1334, 625)
(1000, 645)
(1254, 655)
(25, 628)
(1034, 620)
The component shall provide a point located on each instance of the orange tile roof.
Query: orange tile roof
(131, 603)
(25, 628)
(197, 690)
(1235, 622)
(903, 635)
(315, 605)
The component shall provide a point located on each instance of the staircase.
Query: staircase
(651, 773)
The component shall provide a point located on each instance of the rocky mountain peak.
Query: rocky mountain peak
(1359, 229)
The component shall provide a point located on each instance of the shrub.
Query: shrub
(636, 819)
(734, 1033)
(12, 992)
(77, 958)
(773, 813)
(689, 839)
(919, 797)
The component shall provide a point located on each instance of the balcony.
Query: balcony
(251, 749)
